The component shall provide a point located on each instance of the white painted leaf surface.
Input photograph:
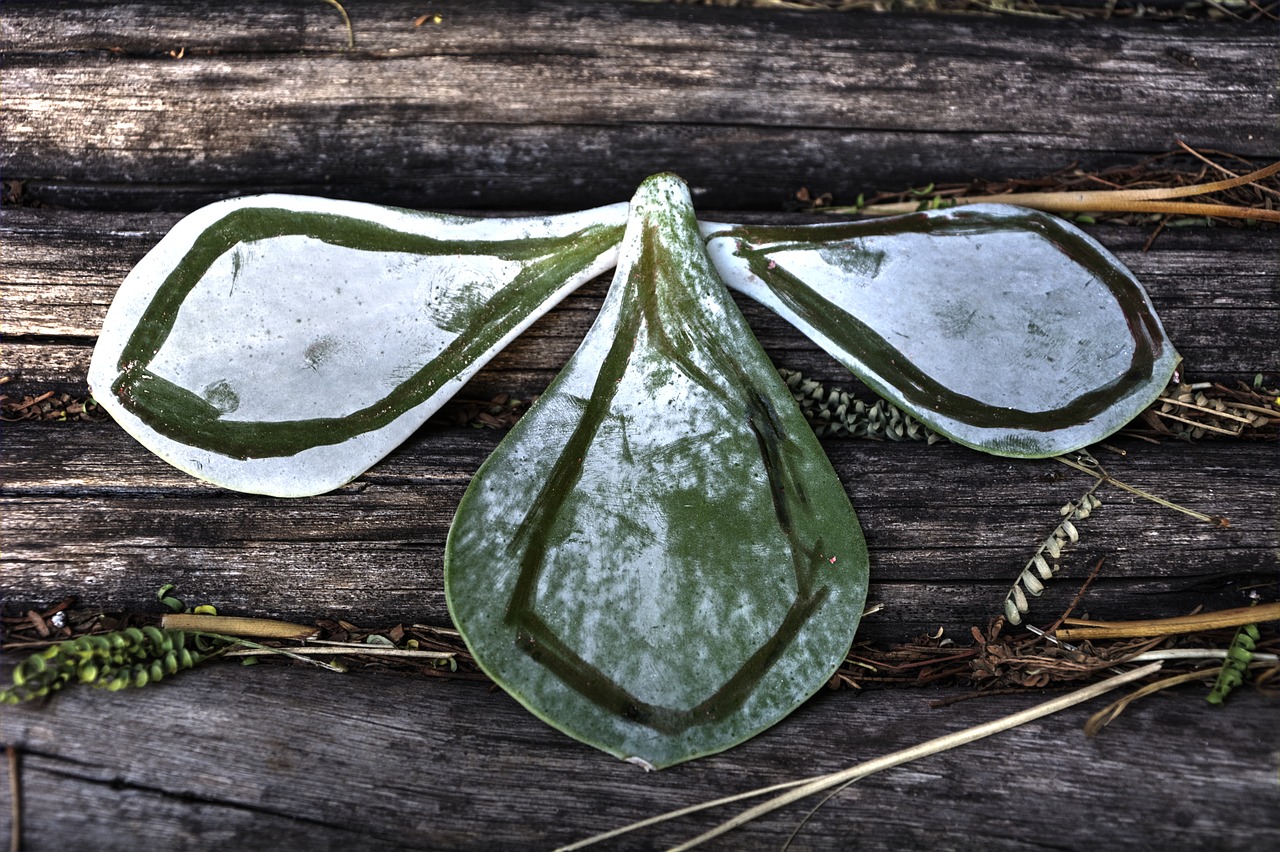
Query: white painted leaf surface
(1005, 329)
(283, 345)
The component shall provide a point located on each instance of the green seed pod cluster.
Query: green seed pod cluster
(130, 657)
(1236, 666)
(836, 414)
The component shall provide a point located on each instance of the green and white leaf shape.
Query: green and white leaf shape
(283, 344)
(658, 559)
(1005, 329)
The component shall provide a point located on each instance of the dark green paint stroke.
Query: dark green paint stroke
(654, 285)
(542, 645)
(757, 546)
(182, 415)
(756, 243)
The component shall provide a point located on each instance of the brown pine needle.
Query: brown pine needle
(1084, 629)
(1202, 158)
(1155, 200)
(1107, 715)
(1110, 480)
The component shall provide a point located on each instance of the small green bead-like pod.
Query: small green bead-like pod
(112, 661)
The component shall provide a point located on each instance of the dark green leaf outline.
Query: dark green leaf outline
(890, 373)
(182, 415)
(656, 274)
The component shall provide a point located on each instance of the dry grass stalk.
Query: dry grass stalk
(225, 625)
(809, 787)
(1149, 189)
(1193, 411)
(1083, 629)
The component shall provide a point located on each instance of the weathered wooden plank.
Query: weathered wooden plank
(503, 105)
(275, 757)
(1231, 272)
(536, 105)
(87, 512)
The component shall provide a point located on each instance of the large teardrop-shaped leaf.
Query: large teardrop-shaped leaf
(1005, 329)
(659, 559)
(283, 345)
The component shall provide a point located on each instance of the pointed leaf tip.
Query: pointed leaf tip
(646, 561)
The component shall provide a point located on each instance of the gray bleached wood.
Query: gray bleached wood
(88, 512)
(278, 757)
(575, 105)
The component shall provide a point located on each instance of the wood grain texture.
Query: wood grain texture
(531, 105)
(273, 757)
(88, 512)
(567, 106)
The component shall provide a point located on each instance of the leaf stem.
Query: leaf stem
(346, 19)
